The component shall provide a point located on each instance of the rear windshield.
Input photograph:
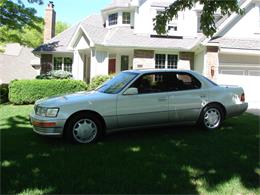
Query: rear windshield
(212, 82)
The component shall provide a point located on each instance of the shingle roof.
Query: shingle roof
(58, 43)
(17, 66)
(237, 43)
(118, 36)
(123, 37)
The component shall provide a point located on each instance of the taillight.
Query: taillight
(242, 97)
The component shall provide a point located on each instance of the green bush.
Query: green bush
(28, 91)
(4, 93)
(55, 74)
(98, 80)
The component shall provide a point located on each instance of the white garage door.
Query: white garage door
(244, 71)
(239, 65)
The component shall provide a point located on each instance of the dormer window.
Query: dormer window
(112, 19)
(126, 18)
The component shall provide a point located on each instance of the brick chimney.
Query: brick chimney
(50, 20)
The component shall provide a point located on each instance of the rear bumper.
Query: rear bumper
(237, 109)
(47, 126)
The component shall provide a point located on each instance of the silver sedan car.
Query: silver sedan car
(138, 98)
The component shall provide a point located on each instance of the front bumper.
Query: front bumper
(47, 126)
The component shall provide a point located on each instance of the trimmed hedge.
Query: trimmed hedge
(98, 80)
(28, 91)
(4, 93)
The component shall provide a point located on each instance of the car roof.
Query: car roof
(142, 71)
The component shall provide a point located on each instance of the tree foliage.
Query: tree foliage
(60, 27)
(207, 22)
(16, 19)
(26, 36)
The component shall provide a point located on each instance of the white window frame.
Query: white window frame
(61, 56)
(166, 59)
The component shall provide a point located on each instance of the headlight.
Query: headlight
(47, 112)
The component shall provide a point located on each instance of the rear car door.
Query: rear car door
(186, 97)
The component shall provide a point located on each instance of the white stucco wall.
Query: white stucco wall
(199, 62)
(247, 26)
(186, 21)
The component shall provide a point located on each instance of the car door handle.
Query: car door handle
(161, 99)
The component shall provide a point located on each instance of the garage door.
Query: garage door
(243, 71)
(239, 65)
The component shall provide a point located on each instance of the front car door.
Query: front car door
(149, 106)
(186, 97)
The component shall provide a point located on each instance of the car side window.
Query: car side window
(182, 81)
(151, 83)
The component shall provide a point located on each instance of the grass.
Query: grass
(162, 160)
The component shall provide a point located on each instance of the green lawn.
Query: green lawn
(162, 160)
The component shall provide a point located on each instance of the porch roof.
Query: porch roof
(237, 43)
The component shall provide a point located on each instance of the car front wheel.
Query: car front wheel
(84, 129)
(211, 117)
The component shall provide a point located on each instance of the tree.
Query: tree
(60, 27)
(26, 36)
(207, 21)
(15, 17)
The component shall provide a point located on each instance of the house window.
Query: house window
(57, 63)
(124, 62)
(112, 19)
(68, 64)
(162, 59)
(126, 17)
(172, 28)
(172, 61)
(62, 63)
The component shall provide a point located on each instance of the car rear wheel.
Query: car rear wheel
(84, 129)
(211, 117)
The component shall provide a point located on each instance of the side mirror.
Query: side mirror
(131, 91)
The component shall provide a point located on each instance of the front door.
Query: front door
(148, 107)
(112, 66)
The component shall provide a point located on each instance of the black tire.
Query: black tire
(211, 117)
(83, 128)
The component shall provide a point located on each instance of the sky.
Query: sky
(71, 11)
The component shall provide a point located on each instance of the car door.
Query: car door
(186, 97)
(148, 107)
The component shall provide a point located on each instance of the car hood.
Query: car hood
(56, 101)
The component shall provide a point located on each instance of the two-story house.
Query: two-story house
(121, 37)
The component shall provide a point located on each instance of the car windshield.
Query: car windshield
(116, 84)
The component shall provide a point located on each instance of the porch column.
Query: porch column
(78, 66)
(99, 63)
(212, 62)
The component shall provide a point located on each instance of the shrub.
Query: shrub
(55, 74)
(98, 80)
(28, 91)
(4, 93)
